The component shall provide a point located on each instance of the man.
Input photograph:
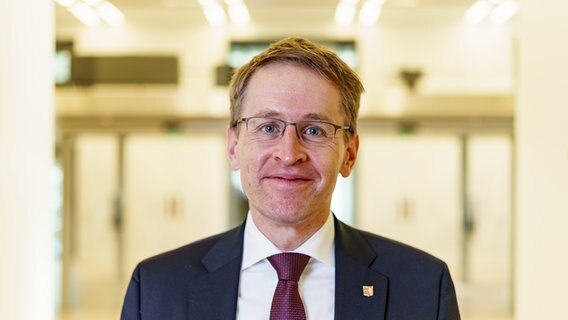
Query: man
(293, 129)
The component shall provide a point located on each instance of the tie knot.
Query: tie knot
(289, 265)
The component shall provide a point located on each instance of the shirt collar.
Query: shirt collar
(257, 247)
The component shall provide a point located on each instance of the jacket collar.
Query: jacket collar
(214, 295)
(360, 292)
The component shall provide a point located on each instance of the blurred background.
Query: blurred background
(463, 149)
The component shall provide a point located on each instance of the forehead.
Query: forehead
(291, 90)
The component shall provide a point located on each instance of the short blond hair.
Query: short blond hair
(311, 55)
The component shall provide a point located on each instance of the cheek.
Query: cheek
(329, 166)
(251, 159)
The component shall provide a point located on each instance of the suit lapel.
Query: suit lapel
(214, 295)
(353, 258)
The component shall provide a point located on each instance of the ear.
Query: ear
(350, 156)
(232, 143)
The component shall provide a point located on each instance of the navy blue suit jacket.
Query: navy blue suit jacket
(201, 281)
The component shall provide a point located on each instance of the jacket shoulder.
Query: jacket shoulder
(392, 249)
(391, 257)
(186, 258)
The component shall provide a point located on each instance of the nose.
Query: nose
(289, 148)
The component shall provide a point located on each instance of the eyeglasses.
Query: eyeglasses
(310, 131)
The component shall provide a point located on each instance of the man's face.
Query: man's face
(288, 181)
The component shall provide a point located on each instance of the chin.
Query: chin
(289, 214)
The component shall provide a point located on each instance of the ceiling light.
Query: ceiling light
(370, 12)
(84, 13)
(345, 12)
(368, 15)
(500, 11)
(92, 3)
(91, 12)
(239, 14)
(65, 3)
(214, 14)
(478, 12)
(504, 11)
(233, 2)
(110, 14)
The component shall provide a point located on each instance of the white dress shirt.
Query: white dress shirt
(258, 277)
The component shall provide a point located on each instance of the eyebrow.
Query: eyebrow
(309, 116)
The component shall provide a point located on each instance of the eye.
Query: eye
(269, 128)
(314, 131)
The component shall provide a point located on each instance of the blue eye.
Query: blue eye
(269, 128)
(314, 131)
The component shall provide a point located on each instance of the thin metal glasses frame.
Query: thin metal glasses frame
(295, 124)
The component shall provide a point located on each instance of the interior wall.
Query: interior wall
(27, 196)
(95, 256)
(173, 194)
(409, 190)
(176, 192)
(490, 204)
(96, 192)
(455, 59)
(542, 153)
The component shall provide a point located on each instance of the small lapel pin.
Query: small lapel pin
(368, 291)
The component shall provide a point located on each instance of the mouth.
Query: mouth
(287, 178)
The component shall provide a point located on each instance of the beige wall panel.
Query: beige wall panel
(176, 192)
(408, 190)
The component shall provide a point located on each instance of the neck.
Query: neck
(288, 236)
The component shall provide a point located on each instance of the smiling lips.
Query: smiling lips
(285, 177)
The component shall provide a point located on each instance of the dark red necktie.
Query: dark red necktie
(286, 303)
